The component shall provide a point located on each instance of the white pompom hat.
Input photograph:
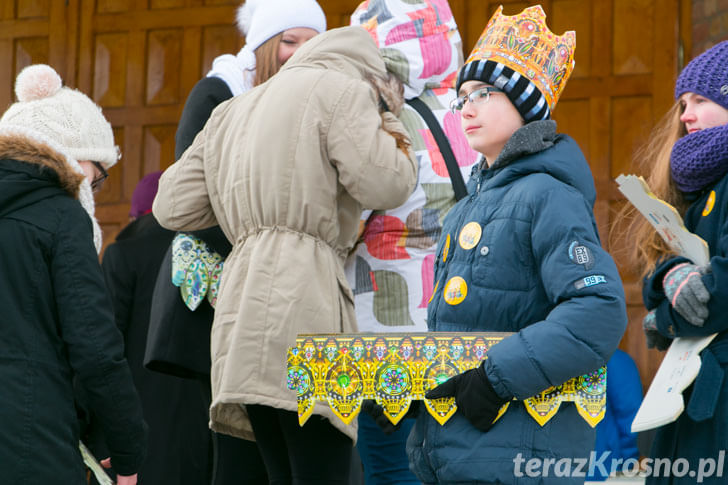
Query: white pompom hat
(63, 117)
(259, 20)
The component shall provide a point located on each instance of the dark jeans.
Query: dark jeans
(315, 454)
(384, 455)
(236, 462)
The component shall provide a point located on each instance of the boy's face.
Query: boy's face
(489, 125)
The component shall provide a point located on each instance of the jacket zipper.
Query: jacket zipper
(454, 242)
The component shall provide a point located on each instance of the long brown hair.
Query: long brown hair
(266, 59)
(646, 246)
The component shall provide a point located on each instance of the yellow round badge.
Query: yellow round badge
(455, 291)
(709, 204)
(446, 249)
(470, 235)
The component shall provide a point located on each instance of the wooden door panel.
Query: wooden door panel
(575, 15)
(34, 31)
(216, 39)
(139, 60)
(111, 52)
(633, 37)
(30, 50)
(28, 9)
(631, 116)
(575, 119)
(158, 147)
(163, 59)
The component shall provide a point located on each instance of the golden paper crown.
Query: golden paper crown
(524, 43)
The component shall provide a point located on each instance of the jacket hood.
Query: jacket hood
(43, 173)
(31, 171)
(349, 50)
(419, 41)
(537, 148)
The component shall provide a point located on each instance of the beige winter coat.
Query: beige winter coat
(285, 170)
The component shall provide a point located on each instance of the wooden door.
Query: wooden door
(35, 31)
(139, 59)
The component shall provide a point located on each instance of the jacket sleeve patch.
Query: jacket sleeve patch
(589, 281)
(581, 255)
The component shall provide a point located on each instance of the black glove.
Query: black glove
(474, 396)
(376, 411)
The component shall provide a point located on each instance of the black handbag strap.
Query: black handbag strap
(458, 184)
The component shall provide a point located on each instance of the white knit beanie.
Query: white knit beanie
(65, 116)
(259, 20)
(65, 120)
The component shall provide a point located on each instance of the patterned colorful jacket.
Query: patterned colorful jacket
(391, 270)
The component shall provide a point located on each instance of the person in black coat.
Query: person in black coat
(174, 408)
(56, 324)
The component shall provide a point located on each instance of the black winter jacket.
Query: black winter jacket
(56, 324)
(179, 339)
(173, 408)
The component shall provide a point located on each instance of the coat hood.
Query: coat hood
(349, 50)
(42, 173)
(537, 148)
(419, 41)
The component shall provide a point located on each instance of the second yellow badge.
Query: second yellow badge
(470, 235)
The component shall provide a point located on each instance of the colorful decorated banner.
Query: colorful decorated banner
(395, 369)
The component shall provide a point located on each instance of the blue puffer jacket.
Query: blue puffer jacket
(522, 254)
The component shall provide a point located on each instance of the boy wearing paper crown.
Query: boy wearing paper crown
(519, 254)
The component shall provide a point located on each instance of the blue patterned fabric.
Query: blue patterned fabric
(196, 270)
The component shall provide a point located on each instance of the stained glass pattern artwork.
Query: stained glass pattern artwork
(196, 270)
(395, 369)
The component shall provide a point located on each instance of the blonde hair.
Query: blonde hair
(646, 246)
(266, 59)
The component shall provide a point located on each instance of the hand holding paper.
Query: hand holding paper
(665, 219)
(663, 402)
(684, 288)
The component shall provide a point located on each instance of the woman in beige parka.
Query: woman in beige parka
(285, 170)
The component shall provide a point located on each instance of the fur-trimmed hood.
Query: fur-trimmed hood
(42, 170)
(23, 149)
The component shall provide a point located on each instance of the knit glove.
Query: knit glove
(654, 338)
(474, 396)
(376, 411)
(686, 292)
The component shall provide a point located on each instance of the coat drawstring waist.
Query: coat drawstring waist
(342, 252)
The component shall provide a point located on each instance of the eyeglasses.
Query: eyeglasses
(97, 182)
(479, 96)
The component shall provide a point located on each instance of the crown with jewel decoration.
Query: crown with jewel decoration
(524, 43)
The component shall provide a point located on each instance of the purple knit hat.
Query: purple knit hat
(144, 193)
(707, 75)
